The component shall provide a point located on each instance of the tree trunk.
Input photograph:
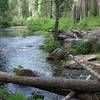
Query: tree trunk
(94, 10)
(83, 65)
(57, 4)
(49, 8)
(84, 8)
(53, 84)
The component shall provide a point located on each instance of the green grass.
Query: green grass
(16, 96)
(86, 45)
(44, 24)
(3, 93)
(65, 23)
(50, 44)
(98, 56)
(40, 24)
(88, 22)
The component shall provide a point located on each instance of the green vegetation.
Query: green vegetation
(83, 46)
(41, 16)
(40, 24)
(5, 95)
(98, 56)
(88, 23)
(16, 96)
(66, 23)
(44, 24)
(50, 44)
(16, 70)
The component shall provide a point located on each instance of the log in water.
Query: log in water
(49, 84)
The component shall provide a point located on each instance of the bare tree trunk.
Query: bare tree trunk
(83, 65)
(50, 84)
(49, 7)
(94, 10)
(84, 8)
(75, 14)
(57, 4)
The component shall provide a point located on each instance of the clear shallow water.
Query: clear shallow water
(25, 52)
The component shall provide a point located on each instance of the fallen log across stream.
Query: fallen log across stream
(50, 84)
(84, 65)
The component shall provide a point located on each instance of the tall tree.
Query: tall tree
(49, 8)
(25, 8)
(57, 6)
(4, 9)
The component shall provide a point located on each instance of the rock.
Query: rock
(27, 72)
(68, 34)
(29, 46)
(53, 30)
(61, 37)
(70, 42)
(72, 65)
(57, 54)
(98, 43)
(77, 33)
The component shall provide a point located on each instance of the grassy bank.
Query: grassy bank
(43, 24)
(40, 26)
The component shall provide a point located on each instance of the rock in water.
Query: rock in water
(61, 37)
(27, 72)
(57, 54)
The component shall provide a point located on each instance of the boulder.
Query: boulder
(70, 42)
(27, 72)
(61, 37)
(57, 54)
(53, 30)
(77, 33)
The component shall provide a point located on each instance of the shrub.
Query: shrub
(40, 24)
(82, 25)
(3, 93)
(84, 46)
(66, 23)
(17, 69)
(88, 22)
(5, 23)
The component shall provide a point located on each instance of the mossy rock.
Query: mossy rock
(57, 54)
(27, 72)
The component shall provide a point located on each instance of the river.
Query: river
(25, 51)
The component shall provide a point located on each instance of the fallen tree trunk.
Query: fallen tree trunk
(72, 93)
(83, 65)
(49, 84)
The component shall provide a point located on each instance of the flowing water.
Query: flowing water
(24, 51)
